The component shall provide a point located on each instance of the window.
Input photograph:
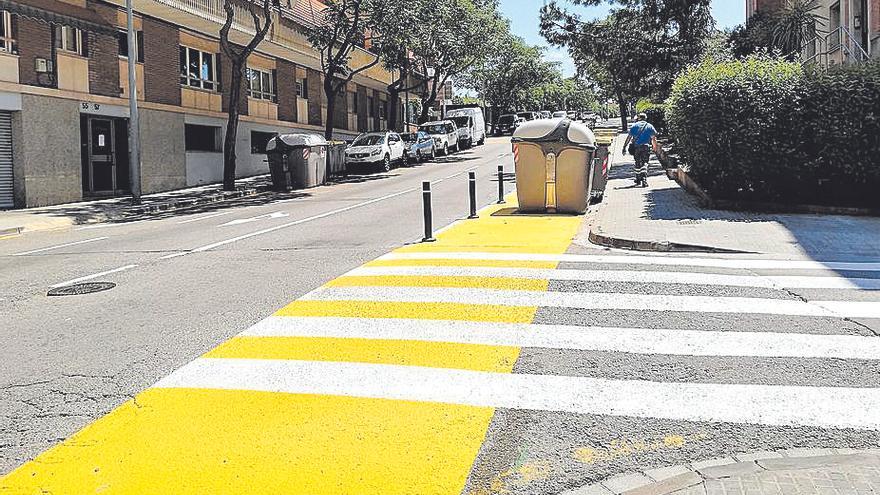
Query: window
(198, 69)
(259, 140)
(371, 106)
(122, 39)
(261, 84)
(383, 109)
(69, 39)
(202, 138)
(302, 88)
(7, 42)
(354, 102)
(834, 26)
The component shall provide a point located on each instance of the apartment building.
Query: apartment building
(64, 89)
(849, 29)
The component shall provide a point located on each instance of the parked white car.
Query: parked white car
(378, 150)
(444, 133)
(560, 115)
(478, 122)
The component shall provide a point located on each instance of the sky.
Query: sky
(523, 15)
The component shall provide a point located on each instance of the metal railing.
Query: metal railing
(837, 47)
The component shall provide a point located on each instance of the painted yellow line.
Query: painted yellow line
(465, 263)
(501, 283)
(498, 359)
(196, 442)
(422, 311)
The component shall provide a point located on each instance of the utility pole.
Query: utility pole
(134, 137)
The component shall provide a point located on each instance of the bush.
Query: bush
(764, 129)
(656, 113)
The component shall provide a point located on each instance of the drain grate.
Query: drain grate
(80, 289)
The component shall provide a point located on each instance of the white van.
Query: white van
(478, 131)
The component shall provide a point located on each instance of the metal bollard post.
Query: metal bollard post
(500, 184)
(472, 190)
(426, 204)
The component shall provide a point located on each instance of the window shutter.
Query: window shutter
(56, 34)
(219, 69)
(85, 43)
(275, 84)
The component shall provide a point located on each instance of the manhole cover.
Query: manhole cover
(80, 289)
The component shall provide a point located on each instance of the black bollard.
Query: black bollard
(472, 190)
(500, 184)
(426, 203)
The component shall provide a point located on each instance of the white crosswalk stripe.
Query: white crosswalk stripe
(768, 281)
(632, 340)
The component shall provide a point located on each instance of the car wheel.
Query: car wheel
(445, 149)
(386, 164)
(433, 152)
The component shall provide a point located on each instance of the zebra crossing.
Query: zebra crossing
(440, 367)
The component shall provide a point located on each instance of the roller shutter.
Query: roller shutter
(5, 160)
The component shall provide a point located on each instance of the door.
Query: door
(102, 156)
(6, 192)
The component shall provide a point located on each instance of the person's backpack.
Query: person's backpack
(632, 146)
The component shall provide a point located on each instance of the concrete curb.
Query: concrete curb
(666, 480)
(665, 247)
(190, 202)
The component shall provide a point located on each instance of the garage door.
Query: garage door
(5, 160)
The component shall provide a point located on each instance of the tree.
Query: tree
(754, 36)
(795, 25)
(341, 28)
(402, 31)
(508, 78)
(238, 56)
(638, 49)
(461, 33)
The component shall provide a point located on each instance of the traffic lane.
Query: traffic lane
(76, 360)
(140, 243)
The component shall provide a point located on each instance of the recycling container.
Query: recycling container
(336, 158)
(297, 160)
(554, 161)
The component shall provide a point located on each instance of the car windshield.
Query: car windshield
(463, 121)
(434, 128)
(506, 119)
(369, 140)
(525, 115)
(410, 137)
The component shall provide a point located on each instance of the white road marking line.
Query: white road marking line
(852, 309)
(94, 276)
(604, 339)
(643, 260)
(623, 276)
(214, 245)
(204, 217)
(574, 300)
(60, 246)
(268, 216)
(826, 407)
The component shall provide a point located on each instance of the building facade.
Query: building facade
(64, 89)
(849, 30)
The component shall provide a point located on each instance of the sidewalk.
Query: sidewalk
(664, 217)
(121, 209)
(794, 472)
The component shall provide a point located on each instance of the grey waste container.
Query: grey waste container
(297, 160)
(336, 158)
(554, 160)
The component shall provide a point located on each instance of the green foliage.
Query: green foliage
(765, 129)
(755, 36)
(795, 25)
(656, 113)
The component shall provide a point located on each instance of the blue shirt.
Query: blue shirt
(647, 132)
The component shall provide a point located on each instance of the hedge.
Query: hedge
(656, 113)
(768, 130)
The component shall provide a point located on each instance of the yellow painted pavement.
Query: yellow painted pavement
(199, 441)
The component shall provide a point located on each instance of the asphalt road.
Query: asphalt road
(189, 281)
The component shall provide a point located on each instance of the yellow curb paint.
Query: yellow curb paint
(448, 262)
(502, 283)
(196, 442)
(423, 311)
(497, 359)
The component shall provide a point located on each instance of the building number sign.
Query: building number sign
(86, 106)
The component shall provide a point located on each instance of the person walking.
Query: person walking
(641, 139)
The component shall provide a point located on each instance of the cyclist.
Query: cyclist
(641, 139)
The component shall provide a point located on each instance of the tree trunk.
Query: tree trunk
(331, 107)
(229, 157)
(624, 120)
(393, 105)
